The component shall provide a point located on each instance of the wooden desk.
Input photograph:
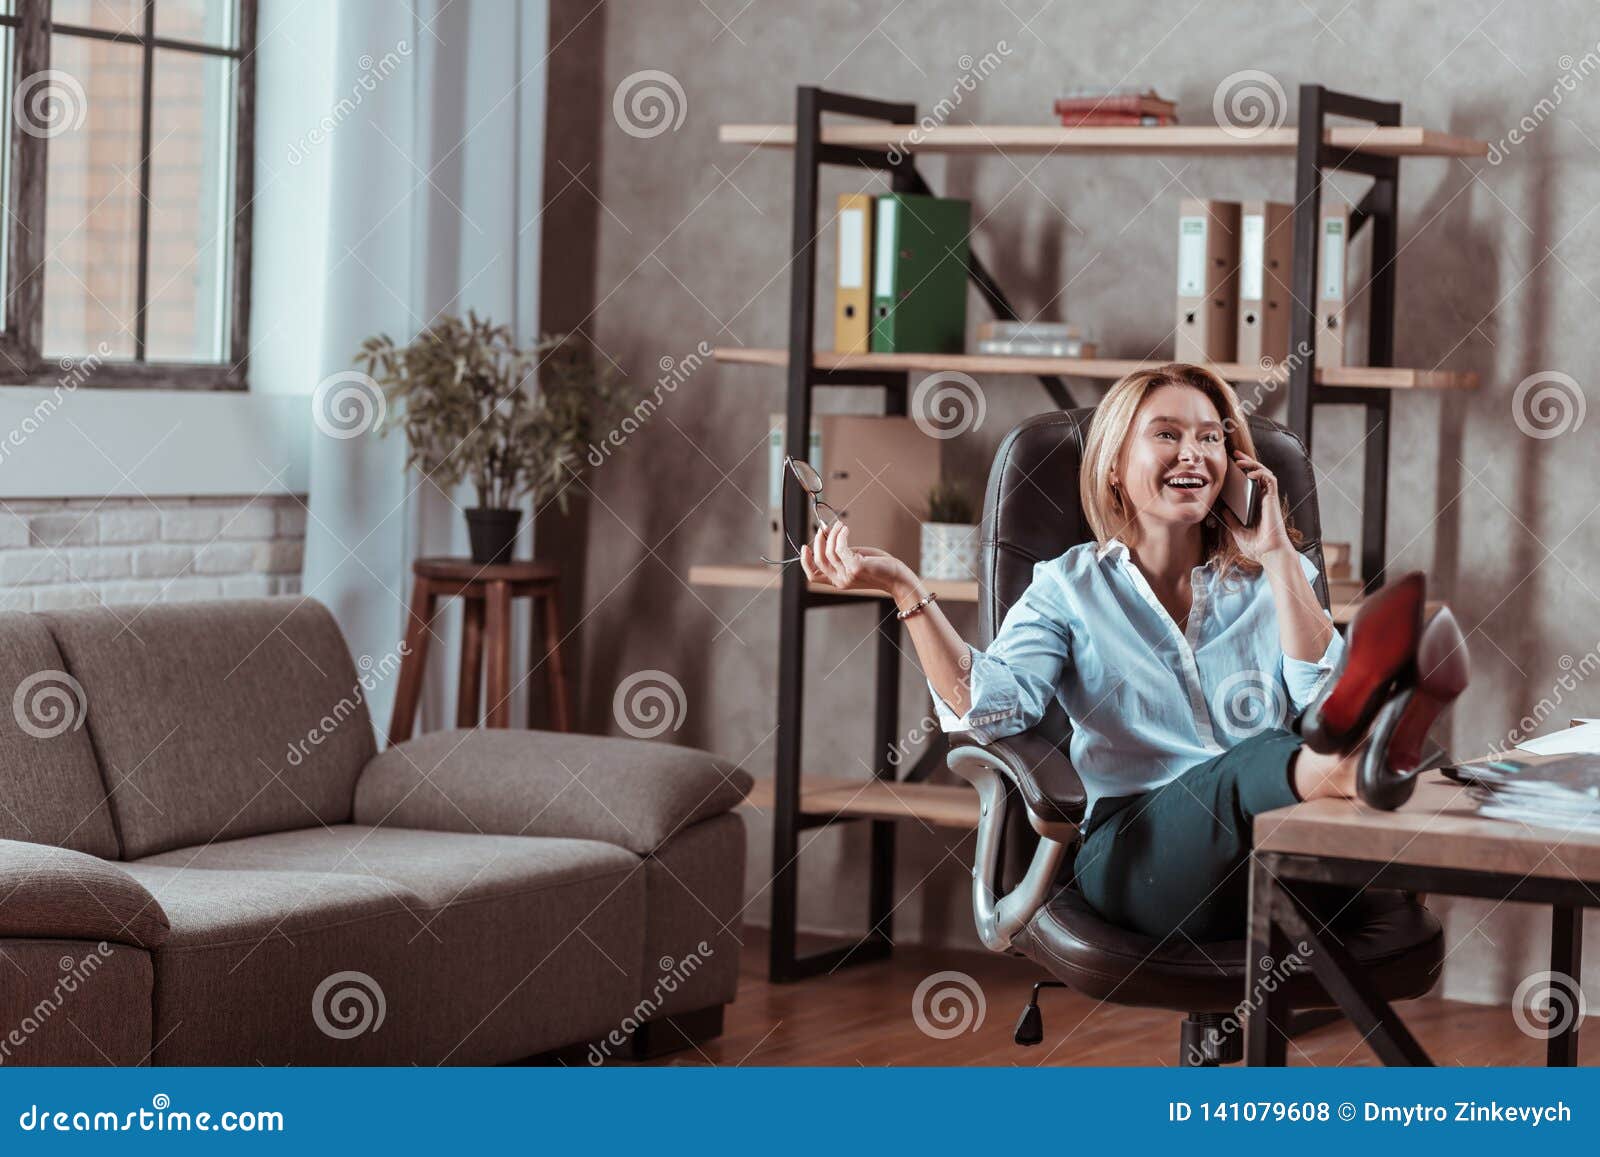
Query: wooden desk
(1436, 843)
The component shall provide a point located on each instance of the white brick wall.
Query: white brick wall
(82, 551)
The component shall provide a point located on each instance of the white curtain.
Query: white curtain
(435, 163)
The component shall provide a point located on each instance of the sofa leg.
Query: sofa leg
(657, 1038)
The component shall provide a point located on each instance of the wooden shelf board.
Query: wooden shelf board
(942, 805)
(758, 576)
(1397, 141)
(1366, 377)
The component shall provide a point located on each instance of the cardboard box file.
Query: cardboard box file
(876, 472)
(1333, 234)
(1208, 295)
(1266, 254)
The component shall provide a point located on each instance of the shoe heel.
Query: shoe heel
(1376, 783)
(1443, 671)
(1382, 647)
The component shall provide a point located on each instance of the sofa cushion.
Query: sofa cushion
(484, 948)
(629, 792)
(219, 719)
(51, 791)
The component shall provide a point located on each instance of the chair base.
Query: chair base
(1209, 1039)
(1206, 1039)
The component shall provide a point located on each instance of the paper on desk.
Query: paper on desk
(1583, 739)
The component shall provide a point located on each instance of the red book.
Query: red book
(1147, 105)
(1104, 119)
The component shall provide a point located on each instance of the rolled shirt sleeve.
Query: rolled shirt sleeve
(1302, 679)
(1013, 680)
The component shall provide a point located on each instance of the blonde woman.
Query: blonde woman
(1149, 637)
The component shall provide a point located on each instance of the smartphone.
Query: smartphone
(1241, 496)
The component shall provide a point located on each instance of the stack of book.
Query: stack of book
(1557, 790)
(1082, 107)
(1033, 339)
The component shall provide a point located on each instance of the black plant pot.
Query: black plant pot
(493, 534)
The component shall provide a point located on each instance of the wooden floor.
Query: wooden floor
(862, 1015)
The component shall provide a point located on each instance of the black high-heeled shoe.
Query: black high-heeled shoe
(1380, 654)
(1387, 774)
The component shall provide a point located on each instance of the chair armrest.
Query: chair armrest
(50, 892)
(628, 792)
(1053, 795)
(1043, 775)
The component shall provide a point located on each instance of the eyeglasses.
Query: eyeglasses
(811, 482)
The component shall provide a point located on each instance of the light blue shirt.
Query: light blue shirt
(1146, 700)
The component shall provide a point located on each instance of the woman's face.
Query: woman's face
(1175, 457)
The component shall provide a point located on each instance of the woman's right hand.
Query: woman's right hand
(832, 560)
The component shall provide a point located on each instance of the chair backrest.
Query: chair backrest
(1032, 512)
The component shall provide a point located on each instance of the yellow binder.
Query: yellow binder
(852, 298)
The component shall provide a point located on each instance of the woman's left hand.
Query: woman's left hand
(1269, 535)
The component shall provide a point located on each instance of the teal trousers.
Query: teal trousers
(1176, 860)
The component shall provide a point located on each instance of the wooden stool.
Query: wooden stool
(486, 592)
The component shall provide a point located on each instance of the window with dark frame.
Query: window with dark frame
(126, 181)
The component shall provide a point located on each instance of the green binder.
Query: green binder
(919, 284)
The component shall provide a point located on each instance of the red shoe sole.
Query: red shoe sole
(1383, 642)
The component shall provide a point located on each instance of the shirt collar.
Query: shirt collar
(1115, 546)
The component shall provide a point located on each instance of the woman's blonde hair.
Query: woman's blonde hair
(1112, 517)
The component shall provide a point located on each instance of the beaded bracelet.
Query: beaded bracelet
(916, 610)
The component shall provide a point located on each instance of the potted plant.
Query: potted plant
(949, 535)
(475, 405)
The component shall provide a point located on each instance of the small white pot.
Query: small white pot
(949, 550)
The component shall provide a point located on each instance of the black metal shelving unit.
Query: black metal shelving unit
(1313, 158)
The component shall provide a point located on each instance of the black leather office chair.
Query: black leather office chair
(1033, 802)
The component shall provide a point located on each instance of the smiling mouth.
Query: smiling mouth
(1187, 482)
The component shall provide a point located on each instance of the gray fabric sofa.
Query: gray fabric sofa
(204, 860)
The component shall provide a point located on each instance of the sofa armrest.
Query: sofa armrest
(627, 792)
(50, 892)
(1043, 775)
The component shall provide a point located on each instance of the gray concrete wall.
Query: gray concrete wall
(656, 243)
